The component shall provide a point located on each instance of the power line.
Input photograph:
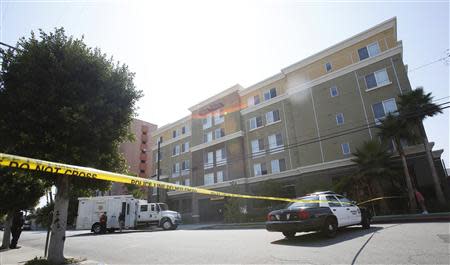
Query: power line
(444, 59)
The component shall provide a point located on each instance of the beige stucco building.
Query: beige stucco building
(298, 127)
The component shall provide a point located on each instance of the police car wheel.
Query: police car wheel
(167, 225)
(289, 234)
(329, 228)
(96, 228)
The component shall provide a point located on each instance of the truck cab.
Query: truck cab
(157, 214)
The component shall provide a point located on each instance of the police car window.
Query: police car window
(308, 201)
(344, 201)
(333, 202)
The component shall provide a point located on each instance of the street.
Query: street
(412, 243)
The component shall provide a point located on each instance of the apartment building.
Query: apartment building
(137, 153)
(298, 127)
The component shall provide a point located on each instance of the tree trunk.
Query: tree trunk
(7, 230)
(411, 197)
(436, 182)
(59, 222)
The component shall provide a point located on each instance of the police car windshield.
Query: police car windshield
(163, 206)
(307, 201)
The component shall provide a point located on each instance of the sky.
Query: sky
(186, 51)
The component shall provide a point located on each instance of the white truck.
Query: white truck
(136, 212)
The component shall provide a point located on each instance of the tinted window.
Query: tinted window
(344, 201)
(314, 202)
(333, 202)
(144, 208)
(371, 82)
(363, 53)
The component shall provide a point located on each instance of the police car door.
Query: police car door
(337, 209)
(354, 214)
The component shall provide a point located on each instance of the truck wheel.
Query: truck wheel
(96, 228)
(167, 225)
(365, 222)
(329, 228)
(289, 234)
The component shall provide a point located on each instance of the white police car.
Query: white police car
(323, 211)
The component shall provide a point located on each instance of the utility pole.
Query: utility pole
(158, 169)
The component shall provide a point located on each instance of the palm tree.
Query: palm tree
(374, 163)
(395, 128)
(415, 107)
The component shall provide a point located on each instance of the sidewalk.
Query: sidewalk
(20, 255)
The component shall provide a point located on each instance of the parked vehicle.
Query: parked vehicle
(320, 211)
(136, 212)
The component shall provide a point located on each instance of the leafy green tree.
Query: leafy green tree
(415, 106)
(136, 191)
(18, 191)
(397, 129)
(65, 102)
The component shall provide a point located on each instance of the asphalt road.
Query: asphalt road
(413, 243)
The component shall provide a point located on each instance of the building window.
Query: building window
(185, 165)
(221, 157)
(276, 142)
(272, 116)
(175, 133)
(257, 146)
(209, 157)
(185, 147)
(253, 100)
(334, 92)
(142, 171)
(255, 122)
(187, 182)
(218, 117)
(209, 179)
(328, 67)
(184, 130)
(207, 137)
(260, 169)
(175, 169)
(278, 165)
(219, 133)
(270, 94)
(377, 79)
(381, 109)
(369, 51)
(176, 150)
(207, 122)
(339, 119)
(345, 148)
(219, 176)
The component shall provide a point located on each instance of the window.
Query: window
(255, 122)
(345, 148)
(369, 51)
(377, 79)
(275, 141)
(260, 169)
(144, 208)
(183, 130)
(209, 157)
(278, 165)
(332, 201)
(209, 179)
(328, 67)
(142, 171)
(334, 92)
(218, 117)
(219, 176)
(185, 165)
(187, 182)
(175, 133)
(272, 116)
(185, 147)
(207, 122)
(344, 201)
(381, 109)
(207, 137)
(270, 94)
(221, 157)
(176, 169)
(257, 146)
(219, 133)
(176, 150)
(339, 119)
(254, 100)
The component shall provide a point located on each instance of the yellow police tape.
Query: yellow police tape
(32, 164)
(380, 198)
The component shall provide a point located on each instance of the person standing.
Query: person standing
(16, 228)
(103, 222)
(421, 200)
(121, 221)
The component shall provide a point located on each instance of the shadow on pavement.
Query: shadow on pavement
(315, 239)
(118, 233)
